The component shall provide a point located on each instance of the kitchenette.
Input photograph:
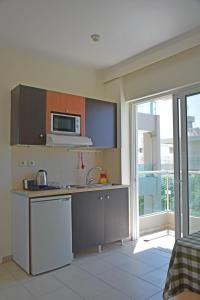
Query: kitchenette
(67, 195)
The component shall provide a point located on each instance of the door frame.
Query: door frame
(134, 182)
(133, 170)
(180, 157)
(181, 178)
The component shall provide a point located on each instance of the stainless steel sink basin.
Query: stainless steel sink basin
(99, 184)
(87, 186)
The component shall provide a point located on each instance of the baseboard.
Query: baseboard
(153, 230)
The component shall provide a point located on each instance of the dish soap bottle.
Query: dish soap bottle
(103, 178)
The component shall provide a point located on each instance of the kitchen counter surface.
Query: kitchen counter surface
(66, 191)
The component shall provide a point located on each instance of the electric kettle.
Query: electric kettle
(41, 178)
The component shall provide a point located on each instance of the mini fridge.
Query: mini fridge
(50, 233)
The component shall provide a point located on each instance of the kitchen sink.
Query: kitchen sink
(99, 184)
(87, 186)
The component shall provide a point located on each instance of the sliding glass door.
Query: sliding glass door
(155, 165)
(187, 161)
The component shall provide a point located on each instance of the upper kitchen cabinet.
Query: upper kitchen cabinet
(31, 116)
(66, 104)
(28, 123)
(101, 123)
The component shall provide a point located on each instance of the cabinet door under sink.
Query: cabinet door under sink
(116, 215)
(87, 220)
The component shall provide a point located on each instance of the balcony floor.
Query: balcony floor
(162, 241)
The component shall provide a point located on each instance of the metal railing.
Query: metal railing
(156, 192)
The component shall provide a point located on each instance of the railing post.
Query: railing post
(167, 193)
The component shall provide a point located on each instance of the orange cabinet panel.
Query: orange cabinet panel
(67, 104)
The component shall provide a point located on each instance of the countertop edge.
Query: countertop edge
(57, 192)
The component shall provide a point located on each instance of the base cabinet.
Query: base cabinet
(87, 220)
(116, 215)
(99, 217)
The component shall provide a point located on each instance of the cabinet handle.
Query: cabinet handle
(41, 135)
(100, 198)
(107, 197)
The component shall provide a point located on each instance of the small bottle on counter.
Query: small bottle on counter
(103, 179)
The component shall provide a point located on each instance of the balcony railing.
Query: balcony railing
(156, 192)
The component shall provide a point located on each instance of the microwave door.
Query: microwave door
(64, 124)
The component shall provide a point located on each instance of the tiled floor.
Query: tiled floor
(132, 271)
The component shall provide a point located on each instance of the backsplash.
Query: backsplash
(63, 166)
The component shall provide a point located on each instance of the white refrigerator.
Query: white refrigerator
(50, 233)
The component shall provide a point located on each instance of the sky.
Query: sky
(193, 108)
(163, 108)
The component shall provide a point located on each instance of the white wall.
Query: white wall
(170, 73)
(20, 67)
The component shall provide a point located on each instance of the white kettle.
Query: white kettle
(41, 178)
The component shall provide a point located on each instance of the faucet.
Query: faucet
(88, 179)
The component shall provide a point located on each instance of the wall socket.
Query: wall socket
(31, 163)
(22, 163)
(27, 163)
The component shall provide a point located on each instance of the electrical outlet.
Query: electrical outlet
(31, 163)
(22, 163)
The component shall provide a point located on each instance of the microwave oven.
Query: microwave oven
(65, 124)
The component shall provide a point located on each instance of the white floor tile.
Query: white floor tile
(88, 288)
(96, 266)
(135, 270)
(20, 275)
(152, 259)
(3, 270)
(163, 253)
(158, 296)
(127, 250)
(136, 267)
(117, 259)
(61, 294)
(41, 285)
(156, 277)
(15, 293)
(11, 274)
(111, 247)
(112, 294)
(165, 267)
(130, 285)
(11, 266)
(7, 280)
(71, 274)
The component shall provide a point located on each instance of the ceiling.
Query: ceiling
(62, 28)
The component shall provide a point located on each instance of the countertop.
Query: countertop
(66, 191)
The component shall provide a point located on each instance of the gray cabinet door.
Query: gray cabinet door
(87, 220)
(28, 116)
(116, 215)
(101, 123)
